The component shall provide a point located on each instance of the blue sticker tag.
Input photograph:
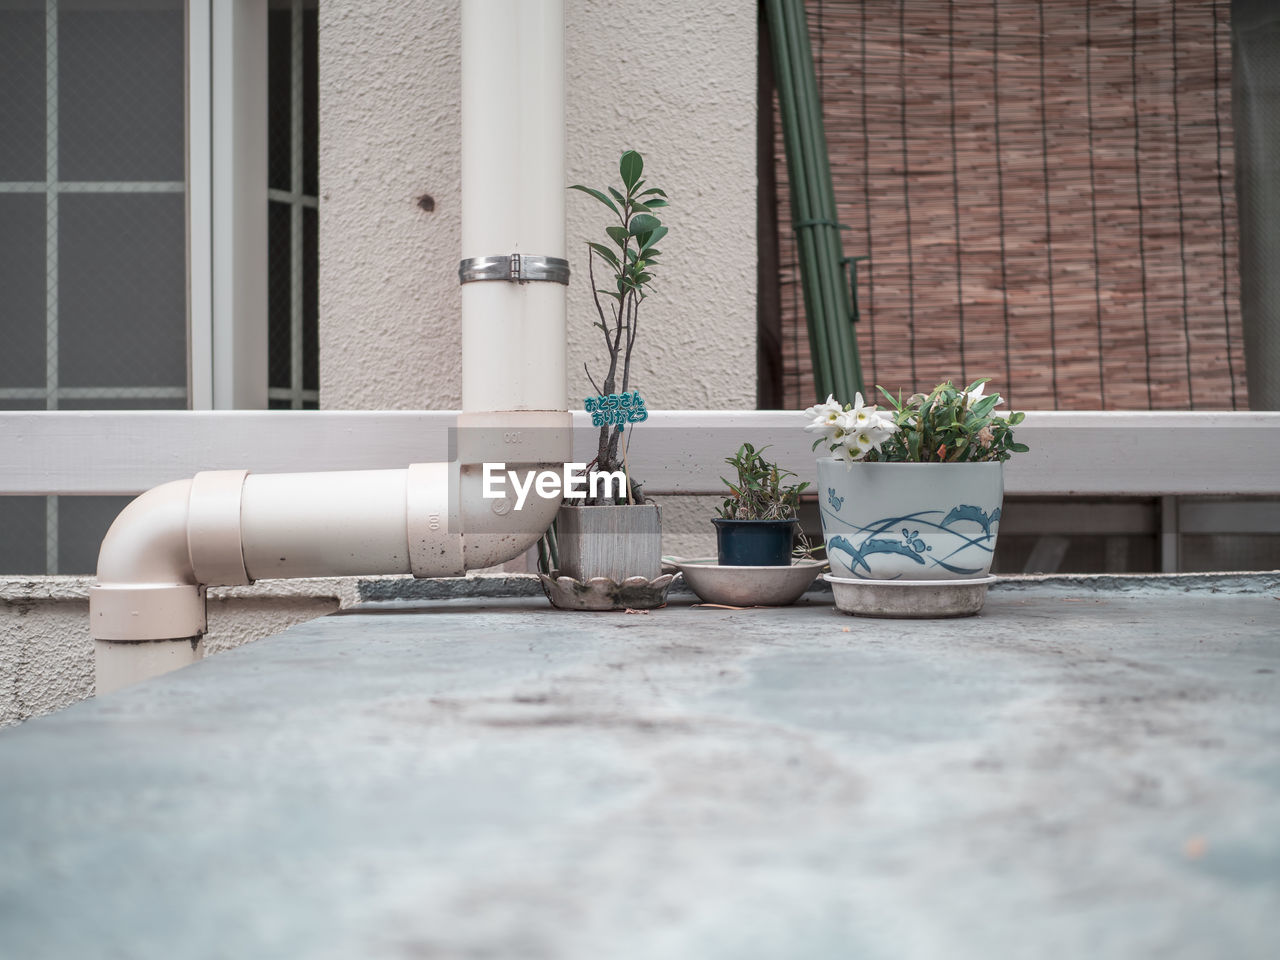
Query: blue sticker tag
(616, 408)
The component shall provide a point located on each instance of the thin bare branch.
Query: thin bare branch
(634, 325)
(591, 275)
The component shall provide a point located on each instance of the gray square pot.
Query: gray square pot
(611, 542)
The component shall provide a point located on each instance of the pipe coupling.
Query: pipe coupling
(432, 519)
(213, 528)
(146, 611)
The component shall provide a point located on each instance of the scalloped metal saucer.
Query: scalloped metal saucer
(601, 593)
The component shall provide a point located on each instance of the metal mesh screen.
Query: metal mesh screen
(1044, 192)
(293, 149)
(92, 236)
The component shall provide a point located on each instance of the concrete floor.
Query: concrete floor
(1085, 770)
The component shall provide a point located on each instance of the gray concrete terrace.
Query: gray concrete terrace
(1090, 768)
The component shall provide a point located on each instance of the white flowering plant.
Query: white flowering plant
(946, 425)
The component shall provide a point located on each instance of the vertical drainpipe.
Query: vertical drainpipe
(513, 270)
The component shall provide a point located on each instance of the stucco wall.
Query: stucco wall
(674, 80)
(46, 652)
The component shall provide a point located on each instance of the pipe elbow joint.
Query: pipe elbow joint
(161, 552)
(456, 523)
(499, 528)
(454, 526)
(146, 587)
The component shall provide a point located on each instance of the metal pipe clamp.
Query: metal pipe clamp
(517, 268)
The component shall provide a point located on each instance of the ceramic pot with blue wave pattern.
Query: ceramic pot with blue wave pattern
(910, 521)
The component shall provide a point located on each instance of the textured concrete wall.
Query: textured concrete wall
(674, 80)
(46, 653)
(389, 134)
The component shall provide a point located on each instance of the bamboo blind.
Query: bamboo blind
(1045, 192)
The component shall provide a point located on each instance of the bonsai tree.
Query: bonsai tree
(628, 260)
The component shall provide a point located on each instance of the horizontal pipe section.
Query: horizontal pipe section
(325, 524)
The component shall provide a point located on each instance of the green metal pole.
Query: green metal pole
(828, 305)
(800, 213)
(835, 318)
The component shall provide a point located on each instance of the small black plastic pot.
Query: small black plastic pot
(754, 543)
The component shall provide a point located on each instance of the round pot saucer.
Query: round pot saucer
(920, 599)
(747, 586)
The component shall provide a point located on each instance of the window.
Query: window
(92, 206)
(293, 362)
(155, 253)
(92, 235)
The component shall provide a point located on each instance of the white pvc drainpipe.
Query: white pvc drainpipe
(229, 527)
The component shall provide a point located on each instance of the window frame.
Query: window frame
(227, 204)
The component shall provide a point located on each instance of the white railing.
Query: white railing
(677, 452)
(1169, 455)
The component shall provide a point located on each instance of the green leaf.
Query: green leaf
(984, 406)
(1019, 447)
(643, 223)
(658, 233)
(630, 166)
(653, 192)
(1016, 418)
(654, 204)
(605, 252)
(599, 196)
(897, 405)
(613, 192)
(618, 234)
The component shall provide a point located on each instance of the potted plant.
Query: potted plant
(615, 532)
(755, 531)
(757, 523)
(914, 491)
